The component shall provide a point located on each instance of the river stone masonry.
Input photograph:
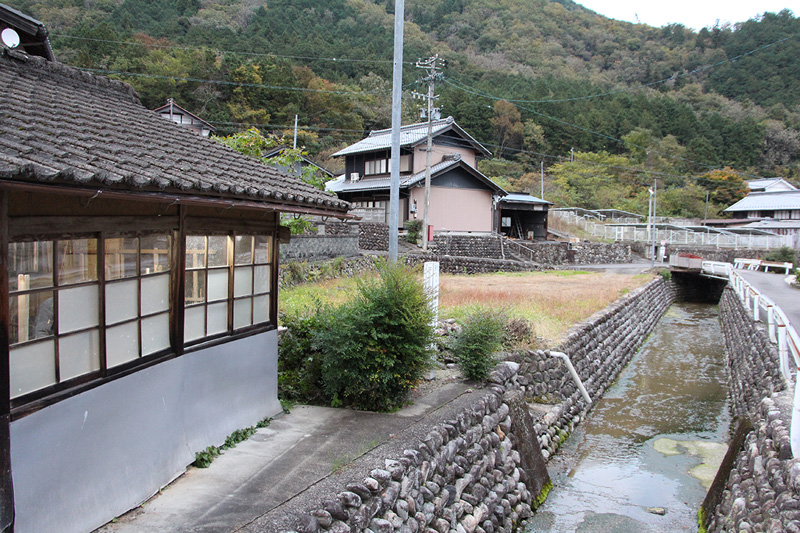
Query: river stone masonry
(763, 488)
(471, 473)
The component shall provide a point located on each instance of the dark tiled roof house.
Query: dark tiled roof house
(139, 294)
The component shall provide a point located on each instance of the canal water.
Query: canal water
(646, 454)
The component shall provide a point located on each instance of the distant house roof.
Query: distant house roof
(173, 111)
(768, 201)
(773, 224)
(62, 126)
(32, 33)
(520, 198)
(411, 135)
(340, 185)
(770, 185)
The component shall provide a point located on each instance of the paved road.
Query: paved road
(774, 286)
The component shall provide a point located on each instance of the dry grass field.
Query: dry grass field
(551, 301)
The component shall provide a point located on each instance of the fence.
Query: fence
(674, 235)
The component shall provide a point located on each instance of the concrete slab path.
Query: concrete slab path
(252, 486)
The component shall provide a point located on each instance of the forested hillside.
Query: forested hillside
(532, 79)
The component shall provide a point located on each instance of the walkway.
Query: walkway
(277, 474)
(774, 286)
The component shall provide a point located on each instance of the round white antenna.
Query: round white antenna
(9, 37)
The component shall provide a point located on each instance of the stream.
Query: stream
(649, 449)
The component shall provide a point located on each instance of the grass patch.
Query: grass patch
(553, 301)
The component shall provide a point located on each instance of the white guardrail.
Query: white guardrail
(782, 333)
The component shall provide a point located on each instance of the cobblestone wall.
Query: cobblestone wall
(320, 247)
(600, 253)
(763, 489)
(472, 265)
(467, 473)
(487, 246)
(373, 236)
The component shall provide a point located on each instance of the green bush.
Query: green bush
(299, 364)
(481, 335)
(376, 347)
(784, 254)
(412, 227)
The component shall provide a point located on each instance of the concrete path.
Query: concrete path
(273, 472)
(774, 286)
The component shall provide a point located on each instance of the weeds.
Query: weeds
(204, 458)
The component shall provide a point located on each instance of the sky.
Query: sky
(695, 14)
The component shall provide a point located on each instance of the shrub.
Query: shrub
(376, 347)
(481, 335)
(784, 254)
(517, 333)
(299, 364)
(413, 227)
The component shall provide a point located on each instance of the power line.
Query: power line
(217, 50)
(237, 84)
(467, 88)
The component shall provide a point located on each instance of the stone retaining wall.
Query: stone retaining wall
(487, 246)
(373, 236)
(468, 474)
(592, 253)
(472, 265)
(763, 489)
(320, 246)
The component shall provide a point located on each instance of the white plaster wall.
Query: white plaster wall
(82, 461)
(438, 153)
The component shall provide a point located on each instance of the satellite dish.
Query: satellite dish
(9, 37)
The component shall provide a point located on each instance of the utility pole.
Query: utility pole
(397, 93)
(541, 166)
(572, 155)
(432, 66)
(294, 141)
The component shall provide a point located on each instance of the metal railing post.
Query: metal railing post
(756, 307)
(771, 323)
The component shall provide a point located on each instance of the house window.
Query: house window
(384, 166)
(217, 279)
(54, 296)
(137, 271)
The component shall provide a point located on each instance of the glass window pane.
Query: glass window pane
(195, 287)
(194, 322)
(122, 344)
(30, 265)
(79, 354)
(121, 256)
(77, 308)
(32, 367)
(155, 294)
(262, 279)
(261, 309)
(195, 252)
(243, 281)
(122, 301)
(77, 261)
(155, 250)
(241, 313)
(243, 250)
(31, 316)
(218, 318)
(217, 285)
(155, 333)
(217, 251)
(262, 249)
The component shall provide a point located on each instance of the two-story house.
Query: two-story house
(461, 197)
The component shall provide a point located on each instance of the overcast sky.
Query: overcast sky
(695, 14)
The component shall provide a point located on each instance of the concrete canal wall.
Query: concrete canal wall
(477, 471)
(762, 492)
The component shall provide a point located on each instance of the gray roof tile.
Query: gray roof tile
(61, 125)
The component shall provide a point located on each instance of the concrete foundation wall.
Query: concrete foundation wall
(82, 461)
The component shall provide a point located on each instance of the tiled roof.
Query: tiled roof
(410, 135)
(63, 126)
(767, 201)
(340, 184)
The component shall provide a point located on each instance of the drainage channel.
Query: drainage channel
(645, 456)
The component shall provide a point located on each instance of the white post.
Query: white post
(431, 284)
(794, 434)
(783, 351)
(771, 323)
(756, 307)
